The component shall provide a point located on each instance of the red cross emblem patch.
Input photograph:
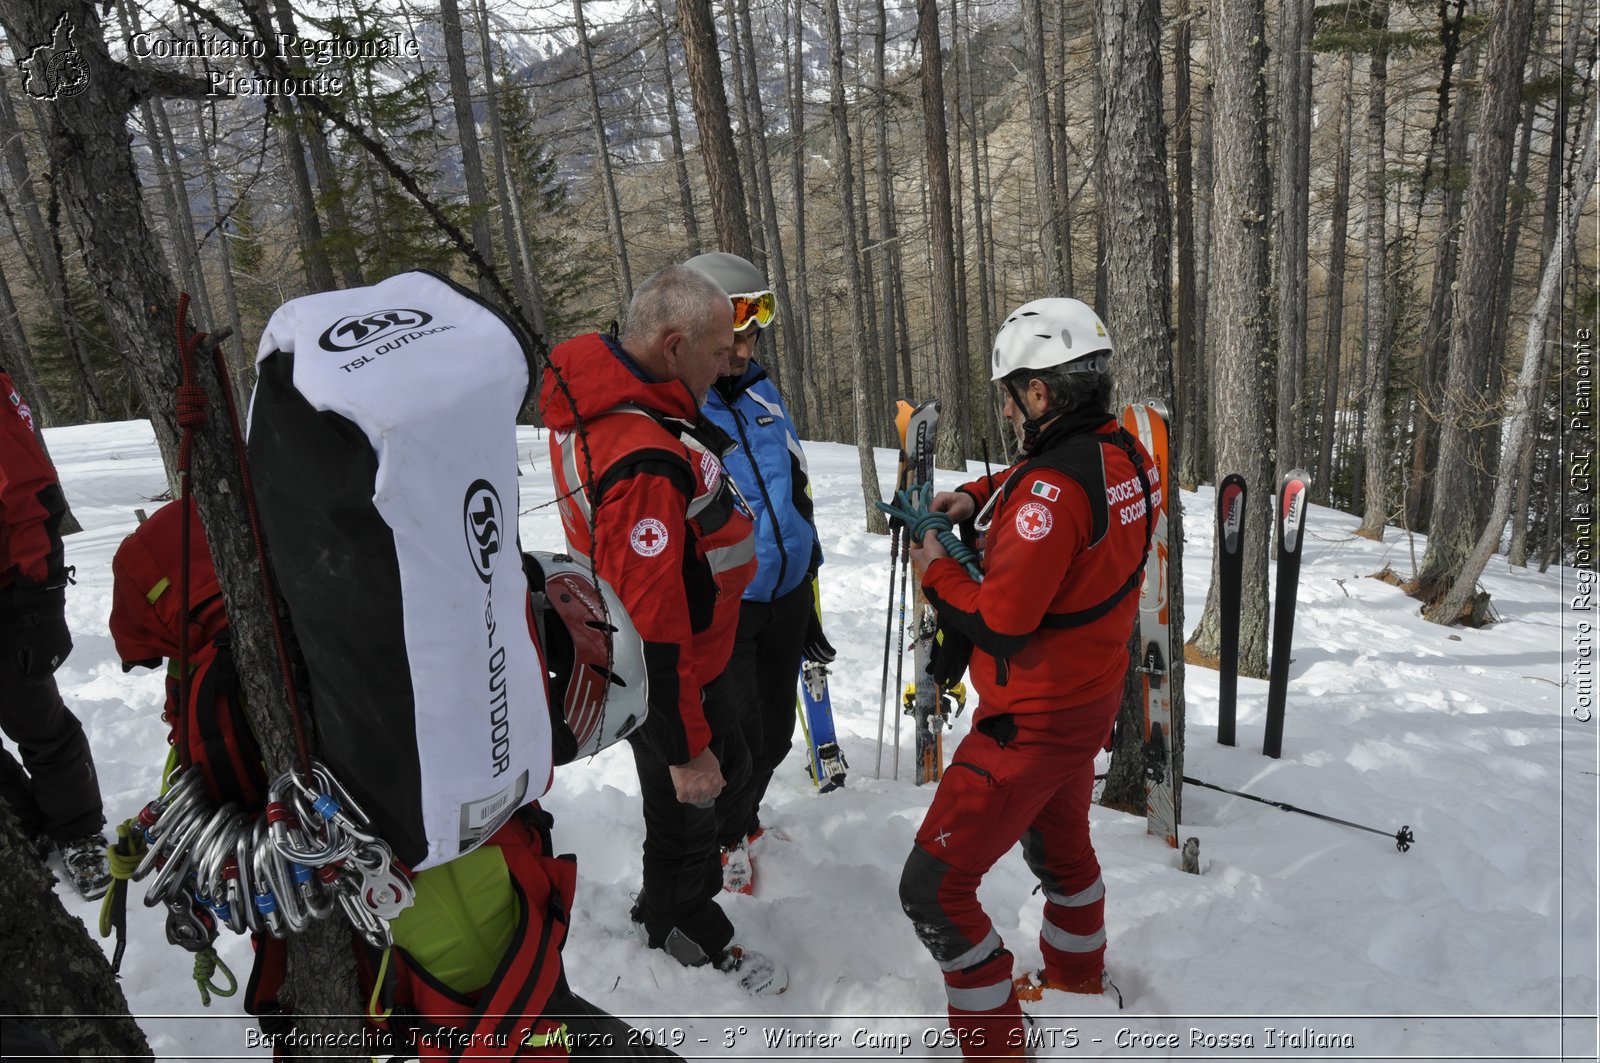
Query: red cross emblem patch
(1034, 521)
(648, 538)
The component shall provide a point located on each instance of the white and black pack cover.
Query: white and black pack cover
(382, 442)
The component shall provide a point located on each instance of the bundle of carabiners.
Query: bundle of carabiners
(274, 872)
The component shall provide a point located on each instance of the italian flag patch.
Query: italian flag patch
(1048, 492)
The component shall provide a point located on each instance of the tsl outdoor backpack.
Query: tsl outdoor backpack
(382, 442)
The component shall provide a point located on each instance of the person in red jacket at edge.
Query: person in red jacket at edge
(54, 792)
(1049, 625)
(642, 491)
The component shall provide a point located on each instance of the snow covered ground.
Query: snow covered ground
(1478, 943)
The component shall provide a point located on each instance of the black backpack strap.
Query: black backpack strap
(1080, 617)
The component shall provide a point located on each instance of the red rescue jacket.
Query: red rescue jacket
(1065, 534)
(669, 531)
(31, 503)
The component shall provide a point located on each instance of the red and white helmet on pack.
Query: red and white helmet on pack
(594, 655)
(1052, 333)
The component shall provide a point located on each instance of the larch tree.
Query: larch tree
(717, 151)
(1136, 257)
(1293, 183)
(951, 445)
(89, 155)
(1238, 328)
(1457, 520)
(844, 172)
(1375, 436)
(1520, 409)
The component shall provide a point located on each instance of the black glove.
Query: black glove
(35, 639)
(817, 647)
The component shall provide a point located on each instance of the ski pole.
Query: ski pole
(1402, 837)
(888, 631)
(900, 655)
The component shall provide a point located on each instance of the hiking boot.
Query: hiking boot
(84, 860)
(1031, 986)
(759, 974)
(738, 870)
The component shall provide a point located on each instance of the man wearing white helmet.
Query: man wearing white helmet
(778, 618)
(1067, 531)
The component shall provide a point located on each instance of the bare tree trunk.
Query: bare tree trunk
(1044, 177)
(1520, 411)
(951, 445)
(602, 150)
(887, 234)
(1061, 145)
(313, 256)
(1553, 199)
(1203, 178)
(976, 148)
(746, 132)
(976, 369)
(809, 408)
(47, 260)
(1436, 334)
(1333, 319)
(52, 976)
(331, 196)
(1189, 411)
(791, 328)
(86, 137)
(1375, 298)
(17, 356)
(1456, 523)
(455, 52)
(1138, 215)
(1238, 328)
(171, 183)
(1294, 206)
(239, 365)
(716, 134)
(871, 492)
(509, 210)
(680, 164)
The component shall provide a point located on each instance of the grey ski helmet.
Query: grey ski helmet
(753, 301)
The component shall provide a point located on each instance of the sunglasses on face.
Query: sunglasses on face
(753, 308)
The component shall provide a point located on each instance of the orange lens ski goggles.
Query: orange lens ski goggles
(753, 308)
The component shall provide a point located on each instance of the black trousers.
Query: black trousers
(54, 791)
(760, 682)
(682, 862)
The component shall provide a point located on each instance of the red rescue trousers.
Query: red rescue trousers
(1030, 778)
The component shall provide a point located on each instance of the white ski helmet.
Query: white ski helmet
(1049, 334)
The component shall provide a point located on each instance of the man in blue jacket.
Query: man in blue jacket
(778, 621)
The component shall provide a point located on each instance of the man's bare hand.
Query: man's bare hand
(698, 781)
(924, 553)
(958, 504)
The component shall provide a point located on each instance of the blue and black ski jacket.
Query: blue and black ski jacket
(769, 469)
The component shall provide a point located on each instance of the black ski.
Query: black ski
(1231, 498)
(1292, 502)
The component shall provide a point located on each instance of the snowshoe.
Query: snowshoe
(759, 974)
(1032, 985)
(738, 870)
(84, 860)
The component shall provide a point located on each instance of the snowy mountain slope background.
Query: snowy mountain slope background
(1478, 943)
